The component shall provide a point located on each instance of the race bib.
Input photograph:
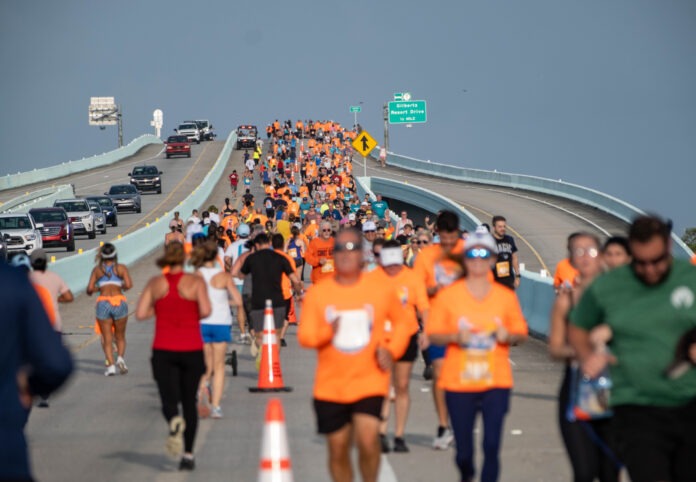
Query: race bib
(354, 330)
(328, 267)
(476, 360)
(443, 276)
(502, 269)
(292, 252)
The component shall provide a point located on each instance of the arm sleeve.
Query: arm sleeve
(314, 331)
(587, 313)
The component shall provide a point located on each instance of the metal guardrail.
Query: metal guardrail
(75, 270)
(589, 197)
(71, 167)
(535, 293)
(37, 199)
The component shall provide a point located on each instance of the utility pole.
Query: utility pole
(386, 125)
(120, 126)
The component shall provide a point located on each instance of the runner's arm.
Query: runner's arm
(127, 282)
(146, 303)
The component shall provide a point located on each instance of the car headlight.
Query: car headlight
(157, 179)
(30, 237)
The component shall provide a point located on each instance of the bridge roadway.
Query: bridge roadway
(113, 427)
(540, 223)
(180, 176)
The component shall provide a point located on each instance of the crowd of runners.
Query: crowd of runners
(372, 291)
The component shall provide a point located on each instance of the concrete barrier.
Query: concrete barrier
(75, 269)
(536, 293)
(71, 167)
(37, 199)
(589, 197)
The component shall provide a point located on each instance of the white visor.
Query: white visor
(391, 256)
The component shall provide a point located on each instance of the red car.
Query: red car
(56, 230)
(178, 146)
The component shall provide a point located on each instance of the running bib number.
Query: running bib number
(502, 269)
(328, 267)
(476, 360)
(354, 329)
(292, 252)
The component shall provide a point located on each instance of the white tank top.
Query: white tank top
(219, 299)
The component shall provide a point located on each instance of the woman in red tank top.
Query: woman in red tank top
(178, 301)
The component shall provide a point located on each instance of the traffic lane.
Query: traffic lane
(541, 222)
(180, 176)
(148, 152)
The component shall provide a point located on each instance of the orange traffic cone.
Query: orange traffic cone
(275, 458)
(270, 374)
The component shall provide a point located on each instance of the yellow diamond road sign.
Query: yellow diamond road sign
(364, 143)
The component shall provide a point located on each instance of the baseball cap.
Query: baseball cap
(20, 260)
(391, 256)
(243, 231)
(37, 254)
(482, 240)
(369, 226)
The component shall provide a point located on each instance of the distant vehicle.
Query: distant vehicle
(80, 215)
(146, 178)
(205, 128)
(125, 197)
(20, 233)
(56, 230)
(178, 146)
(108, 208)
(190, 130)
(3, 246)
(246, 137)
(99, 217)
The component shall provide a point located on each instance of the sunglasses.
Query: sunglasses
(369, 231)
(326, 230)
(419, 241)
(651, 262)
(478, 253)
(349, 246)
(591, 252)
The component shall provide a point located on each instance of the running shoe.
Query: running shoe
(216, 412)
(428, 372)
(384, 443)
(400, 445)
(187, 463)
(254, 348)
(444, 438)
(258, 361)
(175, 441)
(203, 404)
(121, 364)
(283, 342)
(110, 371)
(43, 403)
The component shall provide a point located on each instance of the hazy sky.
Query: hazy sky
(596, 92)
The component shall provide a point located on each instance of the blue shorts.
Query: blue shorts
(436, 352)
(216, 333)
(106, 311)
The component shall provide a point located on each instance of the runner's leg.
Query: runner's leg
(192, 368)
(369, 452)
(339, 454)
(120, 335)
(401, 377)
(494, 406)
(218, 362)
(107, 339)
(463, 407)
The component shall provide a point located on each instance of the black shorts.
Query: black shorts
(411, 352)
(257, 318)
(288, 305)
(332, 416)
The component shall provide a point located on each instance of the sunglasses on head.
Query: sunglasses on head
(478, 253)
(349, 246)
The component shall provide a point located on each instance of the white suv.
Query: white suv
(20, 233)
(190, 130)
(80, 215)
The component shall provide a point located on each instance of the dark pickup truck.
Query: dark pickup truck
(146, 178)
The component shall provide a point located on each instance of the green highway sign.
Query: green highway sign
(411, 112)
(355, 108)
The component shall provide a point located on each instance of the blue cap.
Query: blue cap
(243, 231)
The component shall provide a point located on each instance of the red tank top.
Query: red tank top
(177, 324)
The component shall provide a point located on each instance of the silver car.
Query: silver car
(125, 197)
(80, 214)
(99, 216)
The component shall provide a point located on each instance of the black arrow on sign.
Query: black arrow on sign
(365, 143)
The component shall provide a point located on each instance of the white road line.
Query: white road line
(386, 473)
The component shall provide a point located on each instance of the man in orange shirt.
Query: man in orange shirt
(435, 268)
(344, 318)
(320, 253)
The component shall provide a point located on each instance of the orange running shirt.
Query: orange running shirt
(410, 290)
(564, 272)
(484, 364)
(347, 368)
(320, 248)
(433, 267)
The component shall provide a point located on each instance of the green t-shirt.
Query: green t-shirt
(379, 208)
(647, 323)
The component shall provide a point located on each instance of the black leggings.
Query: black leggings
(178, 374)
(588, 459)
